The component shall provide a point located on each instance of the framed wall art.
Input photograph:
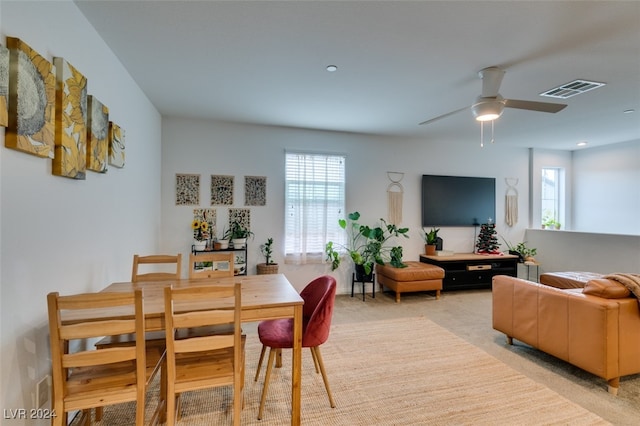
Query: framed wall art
(97, 135)
(116, 145)
(242, 216)
(255, 190)
(206, 215)
(32, 94)
(4, 86)
(187, 190)
(69, 158)
(221, 190)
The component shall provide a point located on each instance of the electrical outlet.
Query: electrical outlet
(42, 391)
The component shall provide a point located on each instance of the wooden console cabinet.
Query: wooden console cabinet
(464, 271)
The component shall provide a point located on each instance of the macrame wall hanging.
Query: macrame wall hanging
(394, 197)
(511, 202)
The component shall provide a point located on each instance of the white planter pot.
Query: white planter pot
(239, 243)
(199, 245)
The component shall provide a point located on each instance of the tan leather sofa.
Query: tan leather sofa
(596, 328)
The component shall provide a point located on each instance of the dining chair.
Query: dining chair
(85, 378)
(217, 265)
(174, 262)
(200, 362)
(153, 338)
(317, 311)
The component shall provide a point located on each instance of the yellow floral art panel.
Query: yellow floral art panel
(32, 94)
(4, 86)
(97, 135)
(116, 145)
(71, 122)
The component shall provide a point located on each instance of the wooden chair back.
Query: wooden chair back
(92, 378)
(203, 361)
(173, 261)
(211, 265)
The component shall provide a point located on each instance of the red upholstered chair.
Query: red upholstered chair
(319, 296)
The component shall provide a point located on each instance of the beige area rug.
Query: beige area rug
(406, 371)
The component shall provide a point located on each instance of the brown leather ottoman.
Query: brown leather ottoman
(568, 279)
(417, 276)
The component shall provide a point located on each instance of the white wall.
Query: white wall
(607, 189)
(206, 147)
(585, 251)
(62, 235)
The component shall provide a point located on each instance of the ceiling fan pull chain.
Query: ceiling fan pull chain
(492, 140)
(482, 134)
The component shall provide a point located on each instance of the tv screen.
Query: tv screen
(457, 200)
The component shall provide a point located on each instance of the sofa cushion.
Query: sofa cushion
(606, 289)
(570, 279)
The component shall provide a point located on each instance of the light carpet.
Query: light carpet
(406, 371)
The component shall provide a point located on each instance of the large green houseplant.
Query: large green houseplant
(367, 245)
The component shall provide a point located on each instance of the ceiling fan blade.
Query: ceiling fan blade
(491, 80)
(534, 106)
(443, 116)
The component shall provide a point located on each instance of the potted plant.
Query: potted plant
(430, 240)
(239, 234)
(269, 266)
(222, 243)
(549, 222)
(200, 230)
(524, 253)
(366, 245)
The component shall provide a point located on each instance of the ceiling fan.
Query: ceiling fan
(490, 104)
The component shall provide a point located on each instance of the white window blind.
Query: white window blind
(314, 197)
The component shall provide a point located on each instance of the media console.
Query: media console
(464, 271)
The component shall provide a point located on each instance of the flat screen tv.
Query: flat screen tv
(457, 200)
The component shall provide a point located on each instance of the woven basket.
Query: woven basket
(264, 269)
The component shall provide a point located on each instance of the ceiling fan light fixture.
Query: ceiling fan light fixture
(487, 109)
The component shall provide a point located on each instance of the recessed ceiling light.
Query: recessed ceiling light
(582, 143)
(629, 111)
(332, 68)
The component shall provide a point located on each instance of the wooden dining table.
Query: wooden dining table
(264, 297)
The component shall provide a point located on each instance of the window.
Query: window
(551, 196)
(314, 197)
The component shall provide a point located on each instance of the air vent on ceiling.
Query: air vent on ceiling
(568, 90)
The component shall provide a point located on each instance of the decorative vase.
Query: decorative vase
(199, 245)
(430, 249)
(224, 244)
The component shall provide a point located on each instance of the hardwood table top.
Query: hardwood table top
(263, 297)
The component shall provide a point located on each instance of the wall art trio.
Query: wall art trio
(48, 113)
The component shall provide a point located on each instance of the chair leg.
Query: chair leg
(316, 350)
(267, 376)
(315, 361)
(170, 404)
(264, 348)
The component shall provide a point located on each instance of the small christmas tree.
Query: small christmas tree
(487, 240)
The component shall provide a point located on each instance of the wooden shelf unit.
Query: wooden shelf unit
(240, 256)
